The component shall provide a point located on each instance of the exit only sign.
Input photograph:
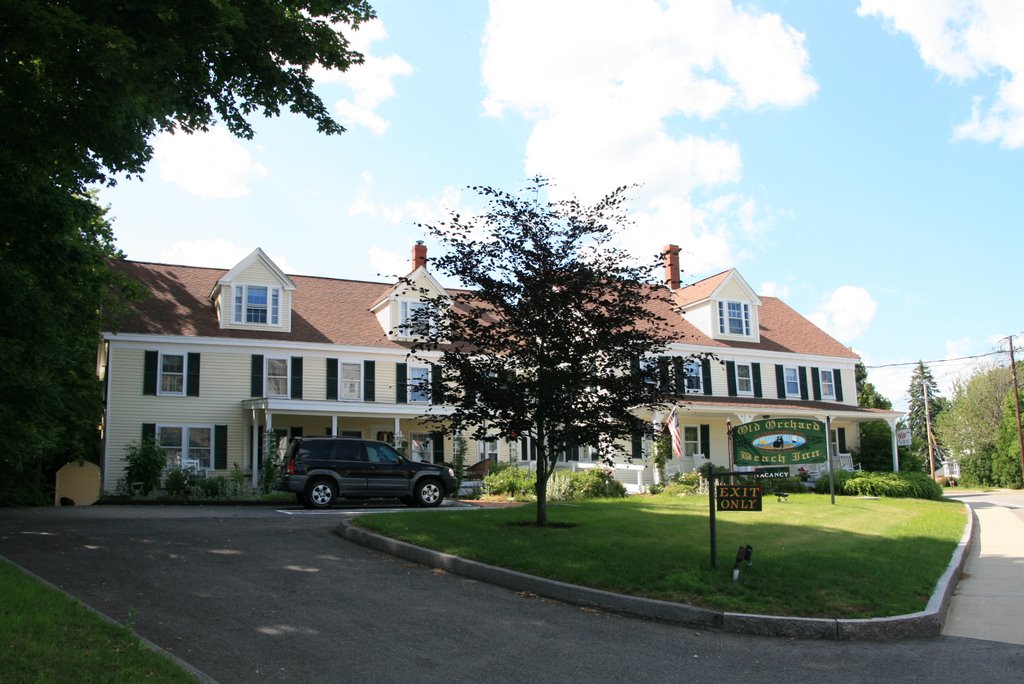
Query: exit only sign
(741, 497)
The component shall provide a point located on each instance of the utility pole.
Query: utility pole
(1016, 403)
(928, 425)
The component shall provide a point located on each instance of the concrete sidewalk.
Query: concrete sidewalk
(988, 603)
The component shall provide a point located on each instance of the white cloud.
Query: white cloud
(770, 288)
(965, 39)
(217, 253)
(388, 264)
(418, 210)
(845, 313)
(206, 164)
(612, 105)
(371, 82)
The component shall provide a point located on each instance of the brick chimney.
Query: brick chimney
(671, 255)
(419, 255)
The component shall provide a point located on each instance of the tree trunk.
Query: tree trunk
(543, 468)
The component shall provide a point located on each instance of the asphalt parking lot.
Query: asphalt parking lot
(249, 594)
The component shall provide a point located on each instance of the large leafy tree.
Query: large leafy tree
(544, 343)
(969, 426)
(875, 437)
(1006, 456)
(83, 86)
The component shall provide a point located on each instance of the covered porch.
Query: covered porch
(271, 423)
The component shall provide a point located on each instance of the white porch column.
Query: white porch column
(267, 432)
(334, 426)
(895, 448)
(657, 421)
(398, 433)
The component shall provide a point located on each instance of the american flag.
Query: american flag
(677, 439)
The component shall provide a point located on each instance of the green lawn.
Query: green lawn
(47, 637)
(859, 558)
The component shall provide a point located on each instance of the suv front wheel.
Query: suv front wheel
(429, 493)
(322, 493)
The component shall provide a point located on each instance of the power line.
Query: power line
(961, 358)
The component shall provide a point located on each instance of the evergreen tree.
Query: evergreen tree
(924, 392)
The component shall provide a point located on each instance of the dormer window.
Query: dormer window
(734, 318)
(257, 304)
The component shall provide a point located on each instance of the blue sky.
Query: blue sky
(861, 160)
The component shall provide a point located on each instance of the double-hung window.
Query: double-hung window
(828, 387)
(487, 450)
(791, 375)
(172, 374)
(350, 384)
(419, 384)
(691, 440)
(744, 378)
(415, 319)
(257, 304)
(277, 377)
(694, 376)
(734, 318)
(187, 446)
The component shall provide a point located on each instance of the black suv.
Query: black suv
(321, 469)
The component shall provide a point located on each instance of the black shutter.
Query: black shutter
(705, 370)
(816, 383)
(841, 439)
(150, 372)
(401, 383)
(679, 366)
(780, 381)
(149, 432)
(634, 367)
(436, 388)
(256, 376)
(705, 439)
(755, 370)
(664, 377)
(803, 383)
(837, 380)
(332, 379)
(192, 380)
(369, 381)
(220, 447)
(296, 377)
(437, 442)
(730, 377)
(637, 446)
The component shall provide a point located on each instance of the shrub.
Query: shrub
(687, 484)
(209, 487)
(791, 485)
(145, 462)
(179, 482)
(561, 486)
(598, 483)
(895, 485)
(507, 480)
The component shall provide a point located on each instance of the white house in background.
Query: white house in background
(214, 361)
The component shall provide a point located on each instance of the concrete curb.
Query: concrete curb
(925, 623)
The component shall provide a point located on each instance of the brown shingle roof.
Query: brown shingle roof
(335, 311)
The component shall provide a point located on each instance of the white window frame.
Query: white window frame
(418, 391)
(487, 450)
(176, 458)
(241, 305)
(406, 307)
(357, 383)
(786, 380)
(725, 319)
(691, 440)
(287, 377)
(828, 389)
(750, 378)
(694, 376)
(161, 373)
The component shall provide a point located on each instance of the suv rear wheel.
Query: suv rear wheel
(429, 493)
(321, 493)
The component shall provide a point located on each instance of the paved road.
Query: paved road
(254, 594)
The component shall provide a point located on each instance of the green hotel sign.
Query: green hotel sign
(781, 441)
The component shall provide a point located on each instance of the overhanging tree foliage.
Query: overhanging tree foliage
(83, 86)
(544, 343)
